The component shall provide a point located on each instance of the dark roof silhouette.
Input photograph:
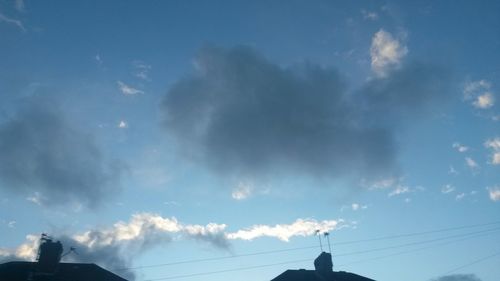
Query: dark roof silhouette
(21, 271)
(312, 275)
(322, 272)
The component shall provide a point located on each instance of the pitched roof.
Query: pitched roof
(312, 275)
(19, 271)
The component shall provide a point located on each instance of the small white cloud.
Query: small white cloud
(142, 70)
(494, 193)
(123, 124)
(471, 89)
(471, 163)
(452, 171)
(386, 52)
(400, 189)
(460, 196)
(459, 147)
(242, 191)
(382, 184)
(480, 94)
(36, 198)
(494, 145)
(356, 207)
(11, 224)
(367, 15)
(98, 59)
(447, 189)
(127, 90)
(18, 23)
(484, 101)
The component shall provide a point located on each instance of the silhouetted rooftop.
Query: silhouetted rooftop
(323, 272)
(312, 275)
(20, 271)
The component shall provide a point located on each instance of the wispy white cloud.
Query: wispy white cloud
(142, 70)
(400, 189)
(242, 191)
(459, 147)
(36, 198)
(452, 171)
(356, 206)
(98, 59)
(128, 90)
(301, 227)
(144, 230)
(459, 196)
(396, 185)
(494, 145)
(369, 15)
(11, 224)
(479, 92)
(18, 23)
(386, 52)
(494, 193)
(123, 124)
(471, 163)
(472, 88)
(447, 189)
(382, 183)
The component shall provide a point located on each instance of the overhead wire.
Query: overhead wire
(473, 262)
(415, 250)
(226, 270)
(417, 243)
(468, 236)
(339, 243)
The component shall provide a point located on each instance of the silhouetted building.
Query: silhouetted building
(323, 272)
(48, 267)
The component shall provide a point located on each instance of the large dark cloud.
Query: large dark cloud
(239, 113)
(405, 94)
(44, 156)
(458, 277)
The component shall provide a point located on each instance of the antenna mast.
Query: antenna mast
(327, 235)
(319, 237)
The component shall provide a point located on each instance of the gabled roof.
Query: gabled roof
(19, 271)
(312, 275)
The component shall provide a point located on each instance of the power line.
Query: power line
(414, 250)
(312, 247)
(479, 233)
(226, 270)
(417, 233)
(473, 262)
(416, 243)
(217, 258)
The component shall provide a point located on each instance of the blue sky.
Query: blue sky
(158, 132)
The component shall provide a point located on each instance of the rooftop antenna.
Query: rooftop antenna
(71, 250)
(319, 236)
(327, 235)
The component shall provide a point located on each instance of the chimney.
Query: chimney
(49, 255)
(323, 264)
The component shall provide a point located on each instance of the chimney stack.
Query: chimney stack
(49, 255)
(323, 264)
